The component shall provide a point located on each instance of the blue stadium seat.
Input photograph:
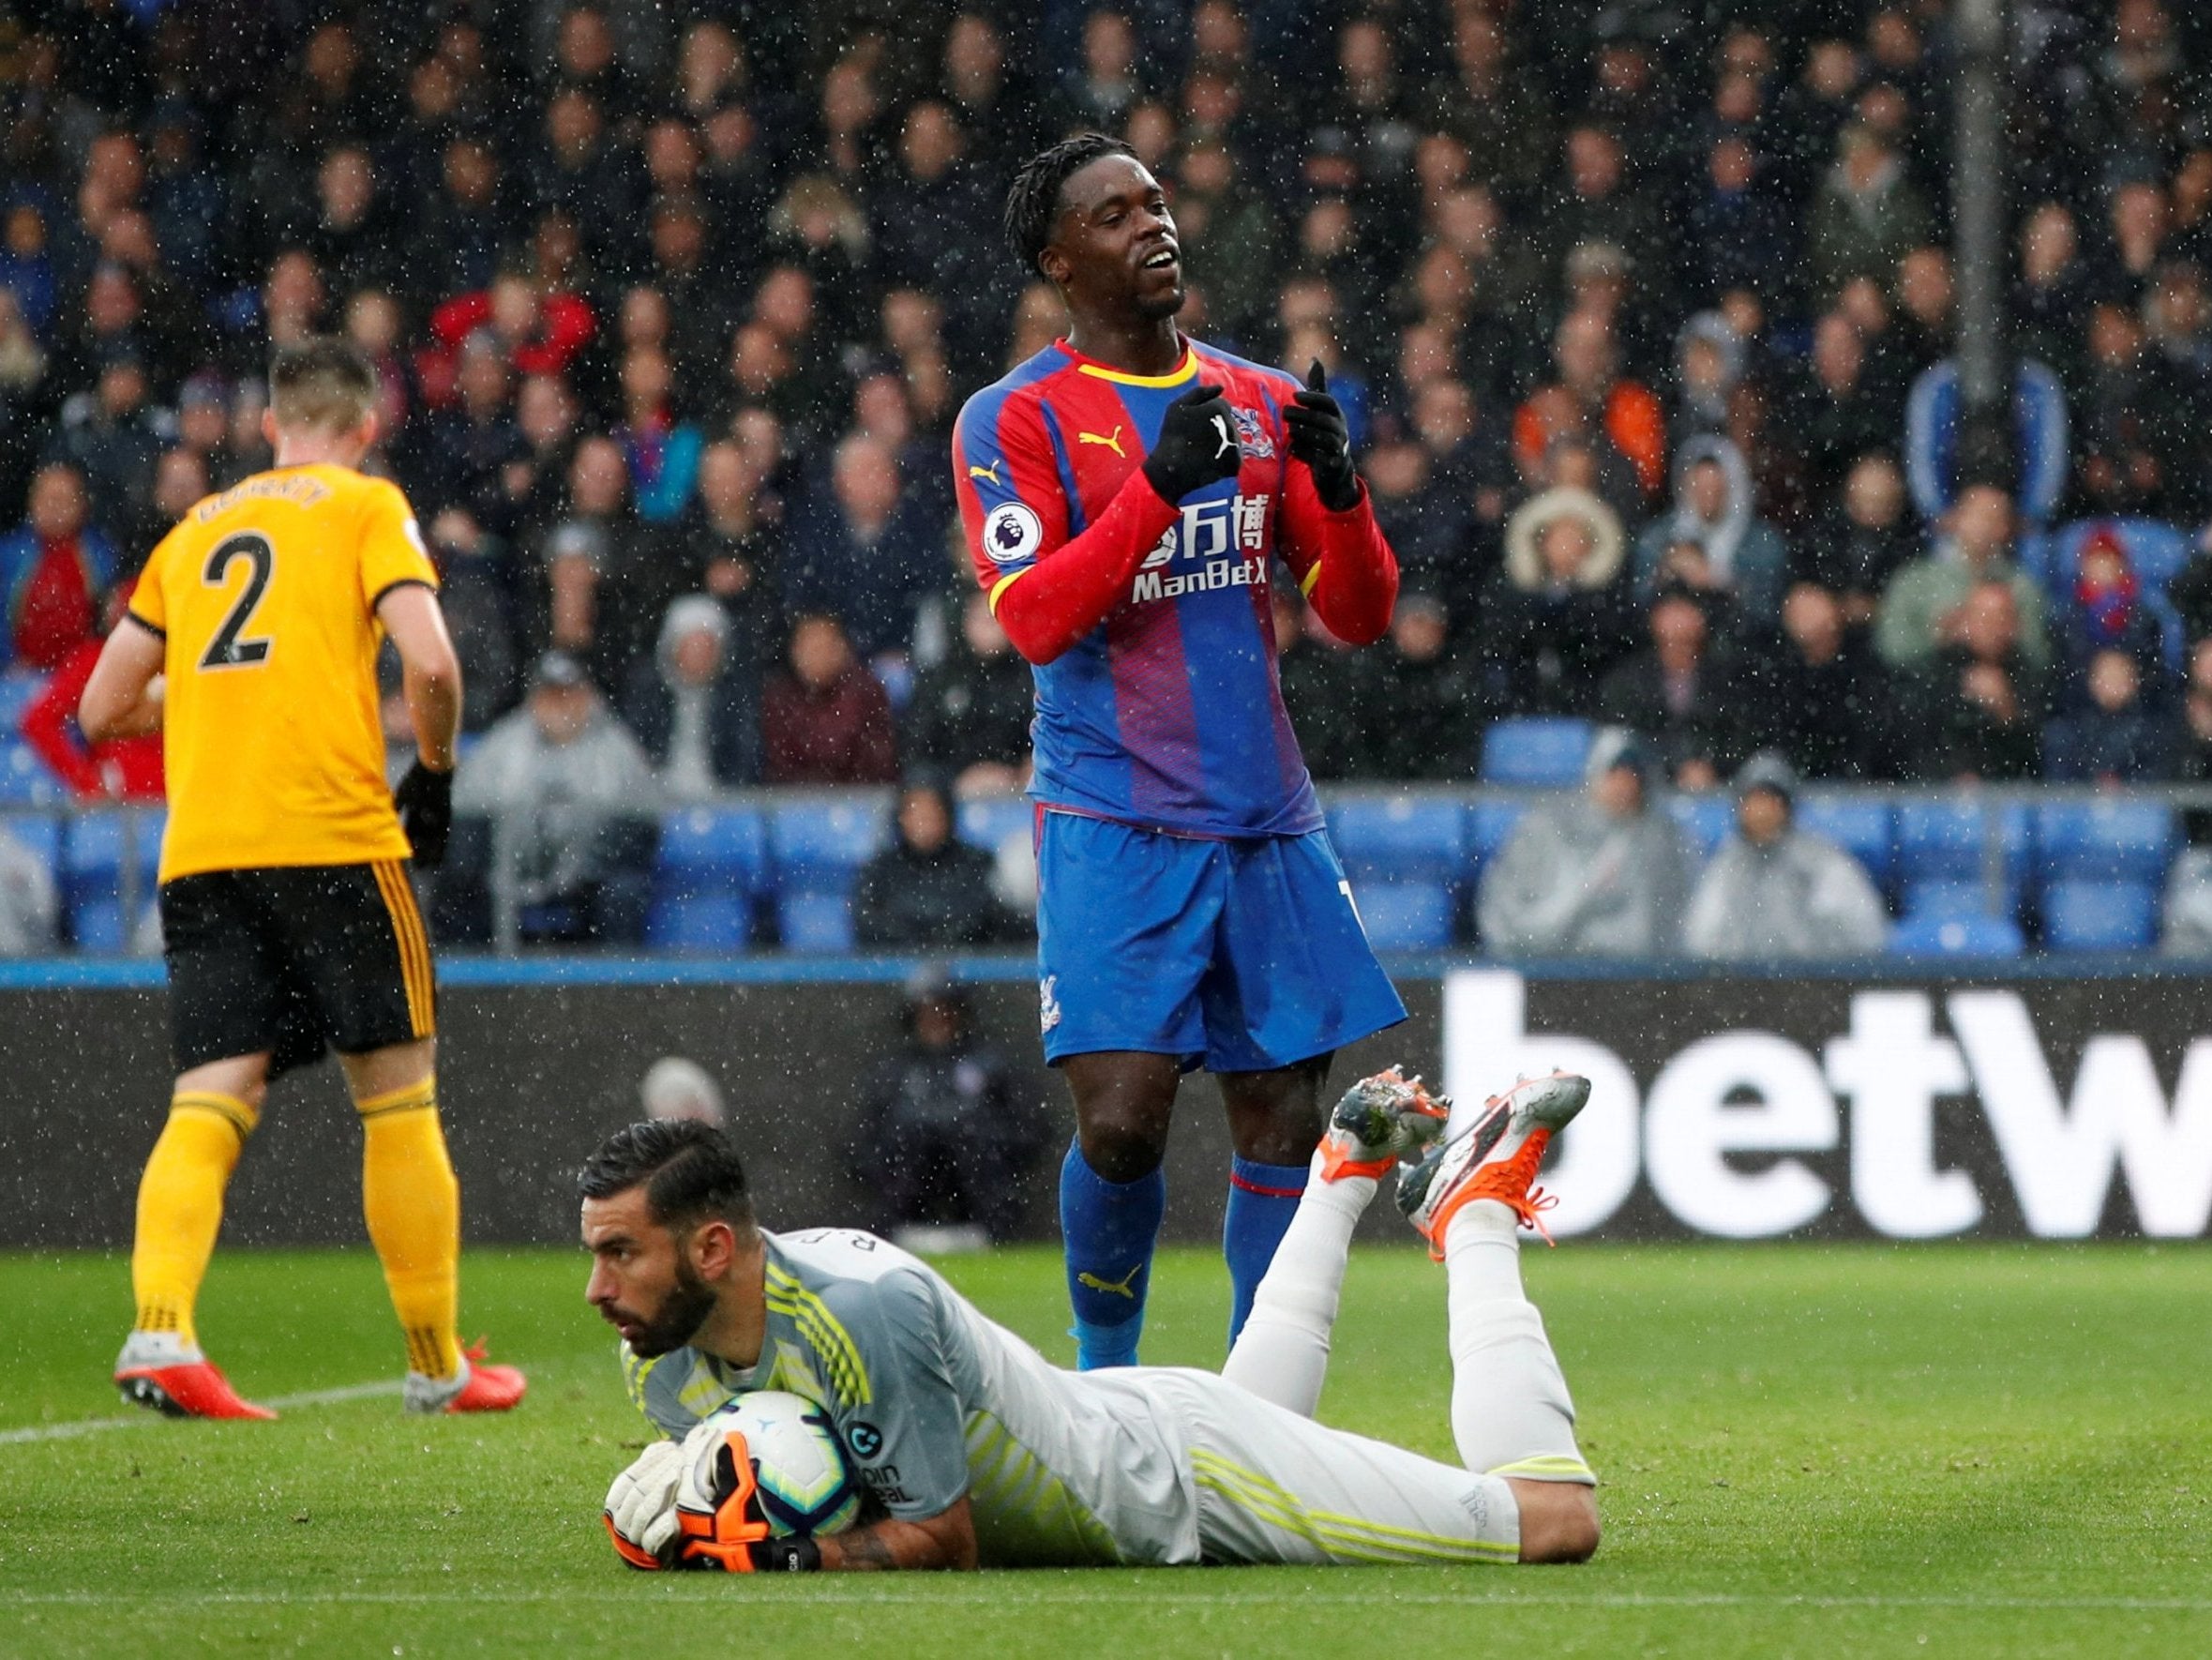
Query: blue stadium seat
(1407, 915)
(2100, 915)
(1947, 841)
(817, 847)
(702, 922)
(1400, 839)
(1535, 749)
(815, 921)
(988, 823)
(1944, 898)
(814, 843)
(25, 779)
(1867, 830)
(710, 866)
(95, 857)
(708, 850)
(2104, 840)
(1490, 824)
(1931, 935)
(1706, 820)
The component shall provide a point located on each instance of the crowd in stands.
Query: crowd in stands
(1642, 313)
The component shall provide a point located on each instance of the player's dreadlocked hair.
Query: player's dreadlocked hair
(689, 1170)
(1033, 201)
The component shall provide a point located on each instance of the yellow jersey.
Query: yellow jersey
(265, 597)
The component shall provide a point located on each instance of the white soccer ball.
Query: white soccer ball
(806, 1483)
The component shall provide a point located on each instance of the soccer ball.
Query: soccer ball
(806, 1485)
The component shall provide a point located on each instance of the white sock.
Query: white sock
(1282, 1355)
(1510, 1412)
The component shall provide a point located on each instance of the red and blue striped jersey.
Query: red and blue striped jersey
(1168, 715)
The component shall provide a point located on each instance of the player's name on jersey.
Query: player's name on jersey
(303, 487)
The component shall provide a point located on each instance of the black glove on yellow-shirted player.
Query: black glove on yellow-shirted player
(425, 800)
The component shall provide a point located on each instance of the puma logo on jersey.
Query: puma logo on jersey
(1228, 441)
(1112, 440)
(1121, 1288)
(990, 473)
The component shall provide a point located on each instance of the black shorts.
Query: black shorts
(290, 960)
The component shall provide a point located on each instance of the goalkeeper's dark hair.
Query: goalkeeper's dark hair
(690, 1173)
(1033, 200)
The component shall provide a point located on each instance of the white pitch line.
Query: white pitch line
(77, 1427)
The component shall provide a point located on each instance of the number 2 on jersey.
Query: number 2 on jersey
(226, 650)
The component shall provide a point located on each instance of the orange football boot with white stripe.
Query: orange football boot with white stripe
(174, 1379)
(477, 1387)
(1380, 1121)
(1495, 1158)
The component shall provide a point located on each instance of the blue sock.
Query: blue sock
(1110, 1228)
(1262, 1199)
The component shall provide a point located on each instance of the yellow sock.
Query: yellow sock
(180, 1206)
(413, 1203)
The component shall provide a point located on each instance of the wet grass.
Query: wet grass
(1852, 1450)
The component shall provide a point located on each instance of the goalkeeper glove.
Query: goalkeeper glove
(641, 1514)
(425, 800)
(1197, 447)
(1320, 439)
(719, 1522)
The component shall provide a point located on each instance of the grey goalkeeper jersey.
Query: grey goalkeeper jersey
(935, 1400)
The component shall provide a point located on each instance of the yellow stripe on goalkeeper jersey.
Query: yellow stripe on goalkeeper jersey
(1547, 1467)
(1350, 1535)
(787, 1296)
(1011, 1488)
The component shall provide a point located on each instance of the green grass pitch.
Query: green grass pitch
(1847, 1450)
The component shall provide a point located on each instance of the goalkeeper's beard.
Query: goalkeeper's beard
(681, 1313)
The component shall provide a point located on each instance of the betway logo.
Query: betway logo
(1758, 1095)
(1230, 539)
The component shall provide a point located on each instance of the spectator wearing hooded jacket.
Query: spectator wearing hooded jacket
(1709, 366)
(1557, 612)
(579, 801)
(929, 888)
(1712, 538)
(1775, 891)
(1602, 873)
(695, 704)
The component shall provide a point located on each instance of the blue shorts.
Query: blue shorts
(1240, 955)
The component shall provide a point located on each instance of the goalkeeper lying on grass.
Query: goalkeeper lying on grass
(979, 1452)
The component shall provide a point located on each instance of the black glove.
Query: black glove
(425, 800)
(1320, 439)
(733, 1536)
(1198, 445)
